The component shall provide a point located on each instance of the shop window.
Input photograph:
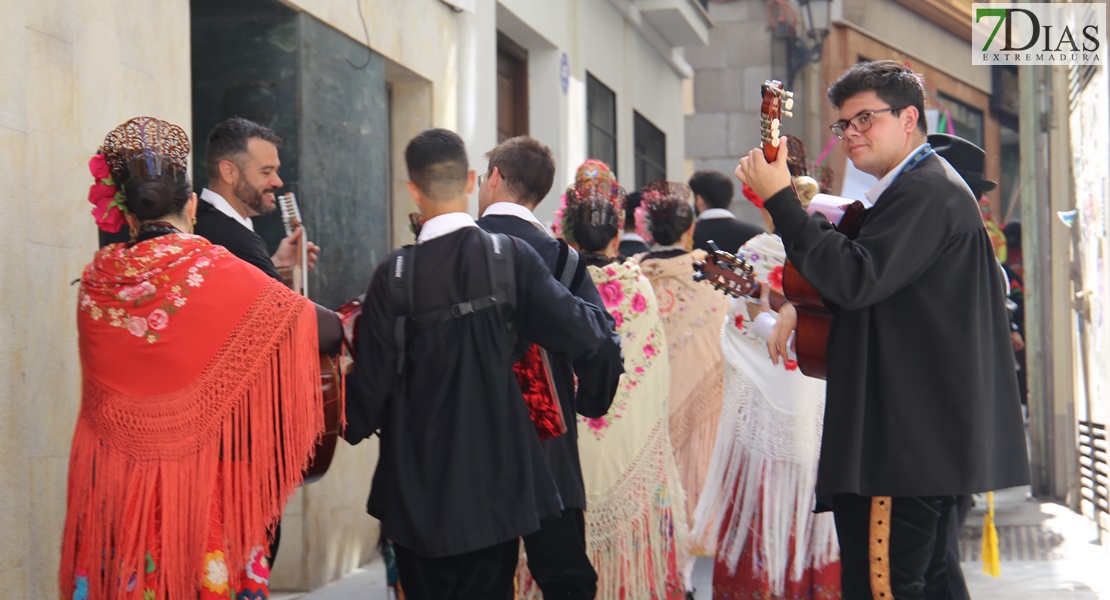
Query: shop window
(651, 151)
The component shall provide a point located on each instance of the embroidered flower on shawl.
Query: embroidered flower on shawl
(775, 278)
(639, 303)
(137, 326)
(81, 590)
(612, 293)
(739, 321)
(157, 319)
(618, 317)
(215, 572)
(148, 594)
(258, 569)
(650, 350)
(597, 424)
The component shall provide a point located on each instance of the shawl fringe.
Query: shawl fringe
(154, 468)
(769, 486)
(694, 433)
(636, 533)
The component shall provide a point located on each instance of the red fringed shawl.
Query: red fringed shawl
(200, 382)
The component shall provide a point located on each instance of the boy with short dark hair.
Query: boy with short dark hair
(461, 475)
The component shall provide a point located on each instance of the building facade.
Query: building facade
(347, 83)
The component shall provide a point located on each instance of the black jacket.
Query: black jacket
(728, 234)
(222, 230)
(598, 373)
(633, 247)
(461, 467)
(922, 393)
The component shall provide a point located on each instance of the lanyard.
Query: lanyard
(921, 155)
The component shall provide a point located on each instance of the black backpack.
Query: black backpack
(502, 277)
(569, 271)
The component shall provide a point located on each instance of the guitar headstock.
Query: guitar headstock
(777, 104)
(290, 212)
(727, 273)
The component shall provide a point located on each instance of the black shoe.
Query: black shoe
(690, 594)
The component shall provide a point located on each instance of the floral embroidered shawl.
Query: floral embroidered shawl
(636, 522)
(200, 382)
(692, 313)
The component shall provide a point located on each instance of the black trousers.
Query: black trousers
(557, 558)
(956, 584)
(485, 574)
(917, 546)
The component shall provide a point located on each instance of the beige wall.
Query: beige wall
(72, 71)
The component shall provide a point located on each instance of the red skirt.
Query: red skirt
(750, 582)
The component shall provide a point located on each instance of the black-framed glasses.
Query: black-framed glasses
(861, 122)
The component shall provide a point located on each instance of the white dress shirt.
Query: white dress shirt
(513, 209)
(221, 204)
(443, 225)
(716, 213)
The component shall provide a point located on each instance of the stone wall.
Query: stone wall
(729, 71)
(73, 70)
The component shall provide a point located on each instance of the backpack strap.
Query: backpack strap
(502, 278)
(400, 289)
(569, 268)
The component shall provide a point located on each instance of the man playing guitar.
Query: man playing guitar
(922, 401)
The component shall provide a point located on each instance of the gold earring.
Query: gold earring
(134, 234)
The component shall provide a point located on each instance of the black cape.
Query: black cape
(461, 466)
(598, 374)
(922, 395)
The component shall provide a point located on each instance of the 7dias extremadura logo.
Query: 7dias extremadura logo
(1038, 34)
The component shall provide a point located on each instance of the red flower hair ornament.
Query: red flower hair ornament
(105, 196)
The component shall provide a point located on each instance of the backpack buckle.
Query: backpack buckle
(462, 309)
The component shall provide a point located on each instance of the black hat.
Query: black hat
(968, 159)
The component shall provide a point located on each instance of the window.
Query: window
(967, 121)
(651, 151)
(601, 122)
(512, 89)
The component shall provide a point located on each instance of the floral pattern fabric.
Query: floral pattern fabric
(636, 523)
(692, 314)
(145, 307)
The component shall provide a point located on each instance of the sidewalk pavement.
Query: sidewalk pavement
(1048, 553)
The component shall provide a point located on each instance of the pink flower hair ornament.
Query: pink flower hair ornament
(109, 209)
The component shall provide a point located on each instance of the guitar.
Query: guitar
(330, 382)
(811, 339)
(733, 276)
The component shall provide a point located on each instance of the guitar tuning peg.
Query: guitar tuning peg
(788, 94)
(789, 104)
(787, 113)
